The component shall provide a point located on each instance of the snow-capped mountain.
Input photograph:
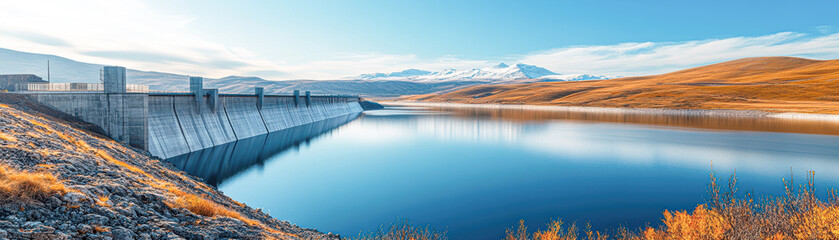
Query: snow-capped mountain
(573, 77)
(500, 73)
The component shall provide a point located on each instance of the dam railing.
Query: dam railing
(136, 88)
(77, 87)
(179, 93)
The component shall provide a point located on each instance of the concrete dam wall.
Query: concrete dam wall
(179, 125)
(174, 124)
(169, 125)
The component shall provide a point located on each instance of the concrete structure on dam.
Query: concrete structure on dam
(173, 124)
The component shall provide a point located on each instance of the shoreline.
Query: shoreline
(833, 118)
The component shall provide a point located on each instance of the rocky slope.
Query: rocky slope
(59, 181)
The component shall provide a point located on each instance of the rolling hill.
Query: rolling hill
(772, 84)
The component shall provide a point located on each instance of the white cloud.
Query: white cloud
(352, 64)
(624, 59)
(128, 33)
(825, 29)
(632, 59)
(136, 35)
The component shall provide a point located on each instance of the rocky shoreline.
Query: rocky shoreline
(58, 181)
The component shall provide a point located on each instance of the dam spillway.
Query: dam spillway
(174, 124)
(178, 125)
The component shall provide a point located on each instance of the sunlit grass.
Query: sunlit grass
(403, 230)
(24, 187)
(103, 201)
(7, 137)
(101, 229)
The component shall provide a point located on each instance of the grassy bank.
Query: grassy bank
(725, 214)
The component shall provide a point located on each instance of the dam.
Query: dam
(170, 124)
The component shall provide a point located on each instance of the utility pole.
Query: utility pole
(48, 71)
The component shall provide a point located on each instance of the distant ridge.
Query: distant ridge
(500, 73)
(774, 84)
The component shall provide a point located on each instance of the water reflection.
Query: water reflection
(215, 165)
(664, 143)
(705, 122)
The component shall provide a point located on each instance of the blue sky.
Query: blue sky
(486, 29)
(332, 39)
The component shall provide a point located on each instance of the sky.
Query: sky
(316, 39)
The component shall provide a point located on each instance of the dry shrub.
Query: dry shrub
(100, 229)
(820, 221)
(198, 205)
(103, 201)
(799, 214)
(702, 224)
(556, 230)
(403, 230)
(26, 187)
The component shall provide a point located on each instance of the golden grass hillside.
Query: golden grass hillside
(772, 84)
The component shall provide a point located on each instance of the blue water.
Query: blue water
(475, 173)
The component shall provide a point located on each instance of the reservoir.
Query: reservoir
(477, 172)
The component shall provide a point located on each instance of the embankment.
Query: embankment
(61, 182)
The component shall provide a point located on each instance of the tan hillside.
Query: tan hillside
(773, 84)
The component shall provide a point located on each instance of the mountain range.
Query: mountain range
(407, 82)
(501, 73)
